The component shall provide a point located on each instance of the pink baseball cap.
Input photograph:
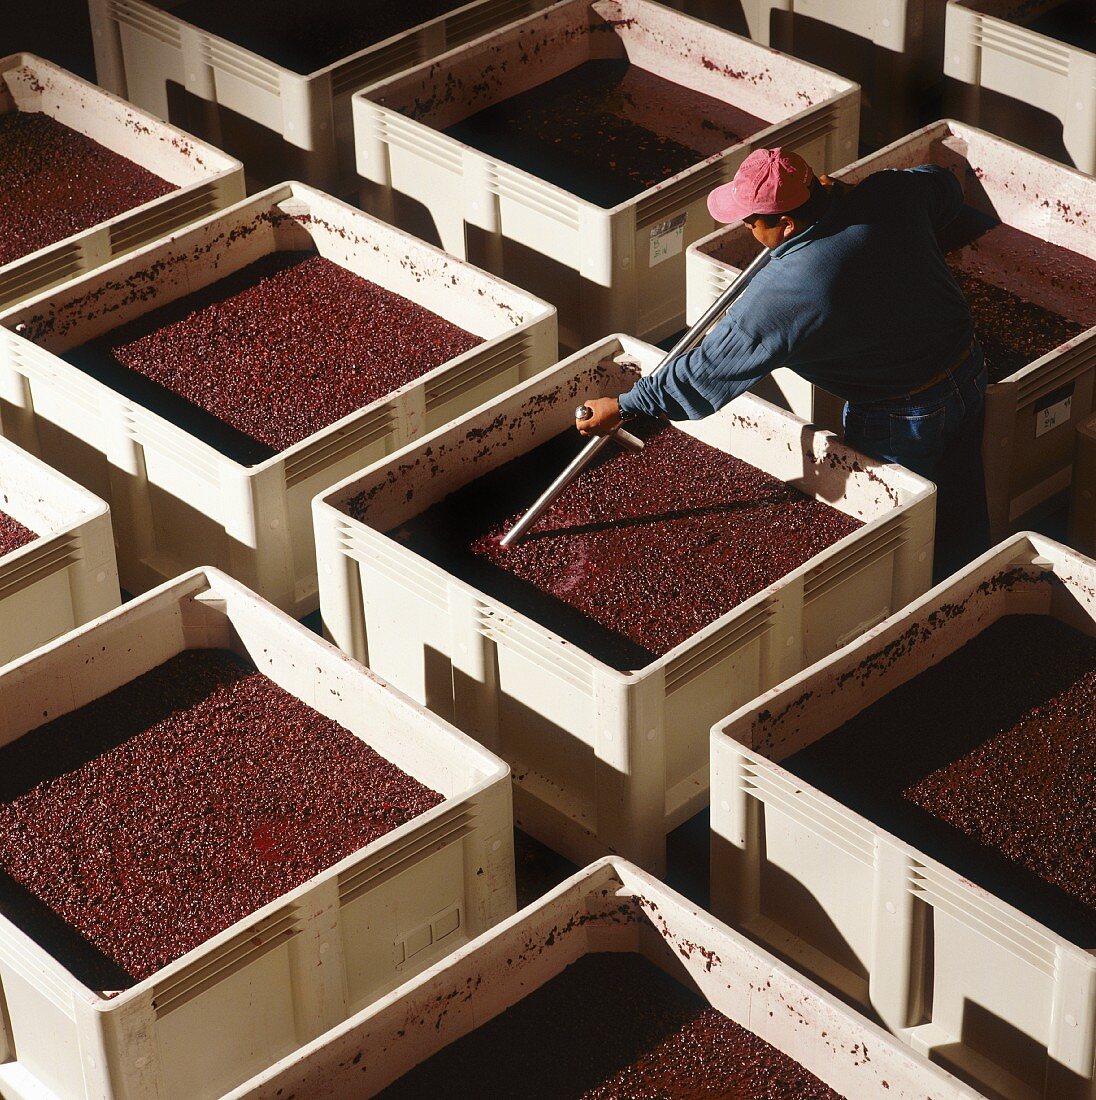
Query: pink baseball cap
(768, 181)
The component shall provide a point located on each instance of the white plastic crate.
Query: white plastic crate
(1027, 463)
(302, 963)
(609, 906)
(65, 577)
(279, 122)
(1082, 505)
(607, 270)
(175, 500)
(892, 48)
(605, 760)
(961, 976)
(205, 178)
(1034, 89)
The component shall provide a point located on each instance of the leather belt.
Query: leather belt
(936, 379)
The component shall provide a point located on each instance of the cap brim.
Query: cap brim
(723, 206)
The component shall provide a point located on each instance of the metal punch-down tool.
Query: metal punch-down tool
(584, 412)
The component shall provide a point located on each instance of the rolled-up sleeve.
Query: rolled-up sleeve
(697, 383)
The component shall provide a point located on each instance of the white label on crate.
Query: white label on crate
(667, 239)
(1052, 411)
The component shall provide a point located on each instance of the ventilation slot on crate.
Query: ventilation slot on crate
(511, 352)
(167, 215)
(148, 20)
(863, 553)
(38, 977)
(508, 183)
(240, 951)
(466, 25)
(166, 439)
(244, 66)
(334, 448)
(736, 635)
(26, 277)
(397, 565)
(668, 201)
(1031, 49)
(820, 124)
(945, 895)
(1061, 371)
(535, 647)
(403, 133)
(809, 812)
(58, 554)
(448, 829)
(376, 65)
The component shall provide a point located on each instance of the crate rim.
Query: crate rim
(324, 504)
(842, 88)
(190, 584)
(539, 310)
(721, 734)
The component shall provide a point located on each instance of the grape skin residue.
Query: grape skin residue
(160, 814)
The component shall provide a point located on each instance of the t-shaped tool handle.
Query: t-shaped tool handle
(590, 451)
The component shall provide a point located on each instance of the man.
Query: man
(856, 298)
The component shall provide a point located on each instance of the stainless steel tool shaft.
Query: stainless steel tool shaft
(590, 451)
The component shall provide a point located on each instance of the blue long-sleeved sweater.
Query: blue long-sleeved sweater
(861, 303)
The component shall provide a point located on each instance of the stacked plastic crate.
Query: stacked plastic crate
(610, 258)
(296, 993)
(272, 84)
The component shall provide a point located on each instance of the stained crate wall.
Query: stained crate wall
(1028, 456)
(602, 759)
(65, 577)
(1082, 505)
(300, 124)
(609, 906)
(607, 270)
(176, 500)
(892, 48)
(1030, 87)
(206, 179)
(863, 912)
(300, 964)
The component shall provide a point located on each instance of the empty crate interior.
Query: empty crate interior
(92, 665)
(604, 64)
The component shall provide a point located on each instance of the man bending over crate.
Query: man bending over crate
(856, 298)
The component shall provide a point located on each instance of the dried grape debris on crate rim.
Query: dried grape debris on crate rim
(272, 354)
(606, 130)
(641, 551)
(984, 761)
(611, 1026)
(56, 182)
(138, 826)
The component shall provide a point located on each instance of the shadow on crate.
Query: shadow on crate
(1012, 119)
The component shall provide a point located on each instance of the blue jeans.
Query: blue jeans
(938, 434)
